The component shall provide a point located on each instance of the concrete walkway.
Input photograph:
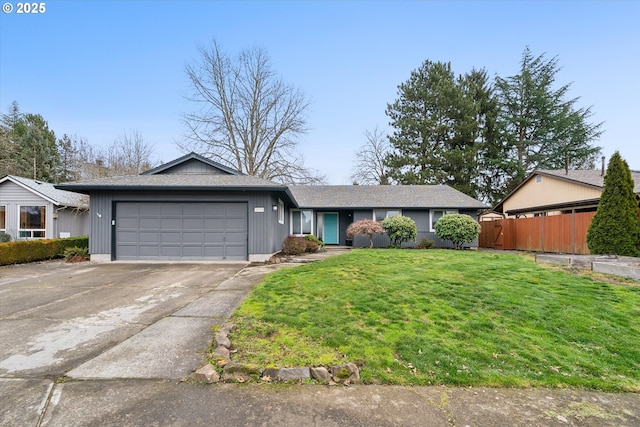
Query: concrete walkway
(622, 266)
(136, 382)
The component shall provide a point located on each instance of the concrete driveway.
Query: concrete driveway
(116, 320)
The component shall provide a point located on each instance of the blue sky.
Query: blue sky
(96, 69)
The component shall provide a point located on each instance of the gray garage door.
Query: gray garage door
(181, 231)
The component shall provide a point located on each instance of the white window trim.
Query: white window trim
(280, 211)
(291, 221)
(31, 230)
(445, 212)
(373, 214)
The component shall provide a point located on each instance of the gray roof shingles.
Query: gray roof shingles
(60, 197)
(382, 196)
(172, 181)
(322, 196)
(592, 177)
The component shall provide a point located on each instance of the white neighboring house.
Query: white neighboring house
(31, 209)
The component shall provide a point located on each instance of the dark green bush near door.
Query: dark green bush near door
(38, 250)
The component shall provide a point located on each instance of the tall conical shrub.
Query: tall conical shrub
(615, 229)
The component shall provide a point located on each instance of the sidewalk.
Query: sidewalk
(164, 403)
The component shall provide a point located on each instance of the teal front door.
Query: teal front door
(330, 234)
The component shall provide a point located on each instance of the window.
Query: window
(32, 222)
(280, 211)
(381, 214)
(301, 222)
(436, 214)
(538, 178)
(3, 218)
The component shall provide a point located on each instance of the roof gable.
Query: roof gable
(592, 178)
(48, 192)
(192, 164)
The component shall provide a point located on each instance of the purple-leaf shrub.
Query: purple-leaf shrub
(364, 227)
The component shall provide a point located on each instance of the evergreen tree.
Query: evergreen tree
(69, 169)
(540, 127)
(36, 153)
(28, 147)
(615, 229)
(8, 149)
(440, 122)
(481, 122)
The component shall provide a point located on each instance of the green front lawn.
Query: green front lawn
(446, 317)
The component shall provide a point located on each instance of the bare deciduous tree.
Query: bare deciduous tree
(370, 168)
(248, 118)
(129, 154)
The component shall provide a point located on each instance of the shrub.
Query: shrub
(313, 243)
(364, 227)
(311, 246)
(38, 250)
(615, 229)
(458, 228)
(76, 254)
(400, 229)
(294, 245)
(426, 243)
(4, 237)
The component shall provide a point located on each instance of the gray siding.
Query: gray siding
(72, 221)
(12, 191)
(194, 166)
(379, 240)
(262, 226)
(12, 196)
(422, 219)
(278, 232)
(100, 214)
(345, 218)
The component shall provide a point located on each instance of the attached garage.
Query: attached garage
(189, 209)
(180, 231)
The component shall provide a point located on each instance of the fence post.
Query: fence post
(543, 216)
(573, 230)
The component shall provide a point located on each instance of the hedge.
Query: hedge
(38, 250)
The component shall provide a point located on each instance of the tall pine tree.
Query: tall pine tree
(37, 154)
(8, 148)
(440, 122)
(615, 229)
(28, 147)
(541, 128)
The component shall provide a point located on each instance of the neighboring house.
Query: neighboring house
(554, 192)
(550, 211)
(31, 209)
(193, 208)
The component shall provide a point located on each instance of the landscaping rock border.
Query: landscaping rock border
(346, 373)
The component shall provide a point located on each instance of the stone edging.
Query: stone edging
(346, 373)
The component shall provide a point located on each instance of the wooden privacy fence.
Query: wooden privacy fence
(565, 233)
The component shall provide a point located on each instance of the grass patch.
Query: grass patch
(445, 317)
